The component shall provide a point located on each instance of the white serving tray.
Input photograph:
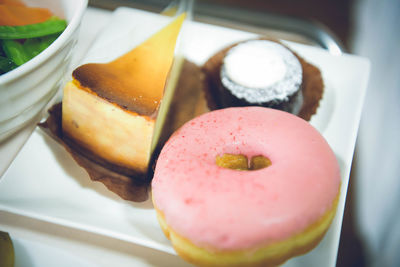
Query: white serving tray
(30, 253)
(45, 183)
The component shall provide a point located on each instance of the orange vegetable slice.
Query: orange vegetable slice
(12, 2)
(17, 15)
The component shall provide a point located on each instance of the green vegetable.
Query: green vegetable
(34, 46)
(15, 51)
(20, 53)
(50, 26)
(19, 44)
(6, 65)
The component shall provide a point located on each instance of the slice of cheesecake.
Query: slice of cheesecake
(113, 110)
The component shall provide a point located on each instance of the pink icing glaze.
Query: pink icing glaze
(230, 209)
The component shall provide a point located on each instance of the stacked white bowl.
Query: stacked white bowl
(25, 91)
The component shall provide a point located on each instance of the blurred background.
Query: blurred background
(369, 28)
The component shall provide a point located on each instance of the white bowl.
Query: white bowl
(26, 90)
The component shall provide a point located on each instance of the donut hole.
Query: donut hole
(241, 162)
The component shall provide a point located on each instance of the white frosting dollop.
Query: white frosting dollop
(255, 65)
(260, 71)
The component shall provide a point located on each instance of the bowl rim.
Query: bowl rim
(49, 51)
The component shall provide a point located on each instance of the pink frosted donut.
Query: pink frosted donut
(216, 216)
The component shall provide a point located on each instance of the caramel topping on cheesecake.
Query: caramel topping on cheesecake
(136, 80)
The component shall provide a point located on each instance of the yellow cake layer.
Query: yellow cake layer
(117, 135)
(270, 255)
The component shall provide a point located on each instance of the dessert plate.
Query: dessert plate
(45, 183)
(34, 254)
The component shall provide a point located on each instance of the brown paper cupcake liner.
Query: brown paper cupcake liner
(312, 87)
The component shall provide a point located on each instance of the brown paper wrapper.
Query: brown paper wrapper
(312, 88)
(188, 103)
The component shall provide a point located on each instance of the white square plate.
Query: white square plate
(45, 183)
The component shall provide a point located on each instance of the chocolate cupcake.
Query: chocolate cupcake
(262, 72)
